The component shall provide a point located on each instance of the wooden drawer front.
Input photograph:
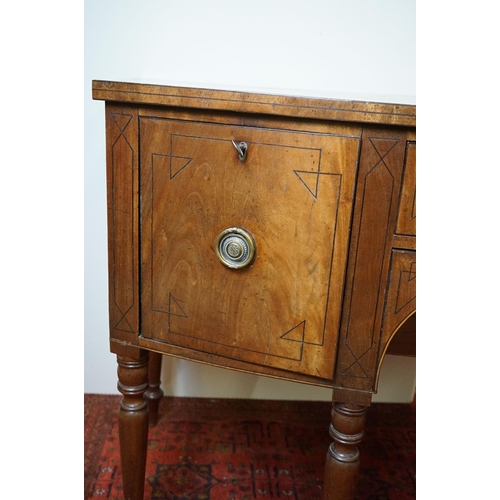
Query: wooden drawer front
(407, 217)
(293, 194)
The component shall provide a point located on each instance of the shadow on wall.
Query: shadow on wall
(183, 378)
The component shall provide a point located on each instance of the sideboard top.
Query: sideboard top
(247, 102)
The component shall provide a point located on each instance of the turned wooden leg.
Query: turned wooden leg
(154, 393)
(133, 423)
(342, 460)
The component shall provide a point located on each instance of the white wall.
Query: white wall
(361, 50)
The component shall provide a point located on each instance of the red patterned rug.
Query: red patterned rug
(227, 449)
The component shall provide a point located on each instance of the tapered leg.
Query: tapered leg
(342, 460)
(154, 394)
(133, 423)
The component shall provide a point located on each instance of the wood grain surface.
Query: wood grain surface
(407, 218)
(247, 102)
(122, 160)
(293, 194)
(377, 197)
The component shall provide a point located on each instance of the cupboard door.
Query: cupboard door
(292, 193)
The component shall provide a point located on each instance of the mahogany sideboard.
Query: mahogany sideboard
(270, 234)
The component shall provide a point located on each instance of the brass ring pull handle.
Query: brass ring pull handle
(235, 247)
